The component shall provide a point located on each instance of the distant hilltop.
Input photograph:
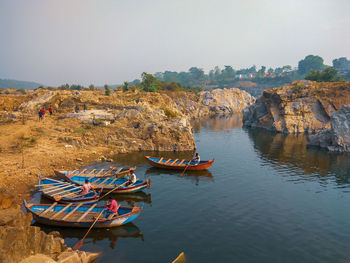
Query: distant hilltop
(18, 84)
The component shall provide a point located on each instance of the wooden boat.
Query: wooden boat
(106, 184)
(79, 215)
(112, 171)
(177, 164)
(65, 192)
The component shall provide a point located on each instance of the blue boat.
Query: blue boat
(107, 184)
(79, 215)
(65, 192)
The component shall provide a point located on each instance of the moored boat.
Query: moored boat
(106, 184)
(177, 164)
(112, 171)
(79, 215)
(65, 192)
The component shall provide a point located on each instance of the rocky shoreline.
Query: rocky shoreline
(119, 123)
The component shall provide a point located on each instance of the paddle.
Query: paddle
(81, 242)
(181, 175)
(112, 190)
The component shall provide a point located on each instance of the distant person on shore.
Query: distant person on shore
(77, 108)
(196, 159)
(85, 108)
(111, 207)
(132, 178)
(43, 113)
(50, 110)
(86, 188)
(40, 115)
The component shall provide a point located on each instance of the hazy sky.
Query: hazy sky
(84, 41)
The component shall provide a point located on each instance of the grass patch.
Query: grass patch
(169, 113)
(81, 131)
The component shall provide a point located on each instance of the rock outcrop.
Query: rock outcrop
(19, 240)
(337, 138)
(303, 106)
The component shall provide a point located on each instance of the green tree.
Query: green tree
(125, 86)
(107, 90)
(197, 74)
(309, 63)
(341, 63)
(149, 82)
(92, 87)
(328, 75)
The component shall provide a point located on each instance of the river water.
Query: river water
(267, 198)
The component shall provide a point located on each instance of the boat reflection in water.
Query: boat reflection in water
(197, 176)
(113, 234)
(133, 198)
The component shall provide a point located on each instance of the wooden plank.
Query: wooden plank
(174, 162)
(111, 182)
(60, 212)
(47, 210)
(91, 171)
(72, 193)
(168, 161)
(160, 160)
(71, 212)
(102, 182)
(100, 171)
(81, 172)
(58, 189)
(181, 161)
(52, 187)
(85, 214)
(75, 189)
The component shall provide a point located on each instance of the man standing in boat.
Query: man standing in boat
(111, 207)
(196, 159)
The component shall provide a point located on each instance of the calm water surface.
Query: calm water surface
(266, 199)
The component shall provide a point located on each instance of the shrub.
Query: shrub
(82, 131)
(169, 113)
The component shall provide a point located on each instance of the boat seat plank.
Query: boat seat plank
(85, 214)
(72, 192)
(58, 189)
(81, 172)
(93, 170)
(102, 182)
(181, 162)
(168, 161)
(160, 160)
(47, 210)
(111, 182)
(100, 171)
(60, 212)
(174, 162)
(71, 212)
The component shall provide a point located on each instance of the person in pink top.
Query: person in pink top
(111, 207)
(86, 188)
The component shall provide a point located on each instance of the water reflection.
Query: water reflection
(218, 123)
(133, 198)
(197, 176)
(129, 230)
(289, 151)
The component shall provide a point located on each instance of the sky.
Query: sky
(110, 41)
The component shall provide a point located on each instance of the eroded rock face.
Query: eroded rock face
(338, 137)
(303, 106)
(224, 101)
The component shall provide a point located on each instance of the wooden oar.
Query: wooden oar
(112, 190)
(189, 163)
(81, 242)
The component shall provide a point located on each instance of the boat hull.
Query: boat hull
(161, 163)
(37, 209)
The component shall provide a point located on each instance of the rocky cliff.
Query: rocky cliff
(303, 106)
(337, 138)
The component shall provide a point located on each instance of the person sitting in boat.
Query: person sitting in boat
(132, 178)
(86, 188)
(111, 207)
(196, 159)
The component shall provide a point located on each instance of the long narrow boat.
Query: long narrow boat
(65, 192)
(112, 171)
(106, 184)
(177, 164)
(78, 215)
